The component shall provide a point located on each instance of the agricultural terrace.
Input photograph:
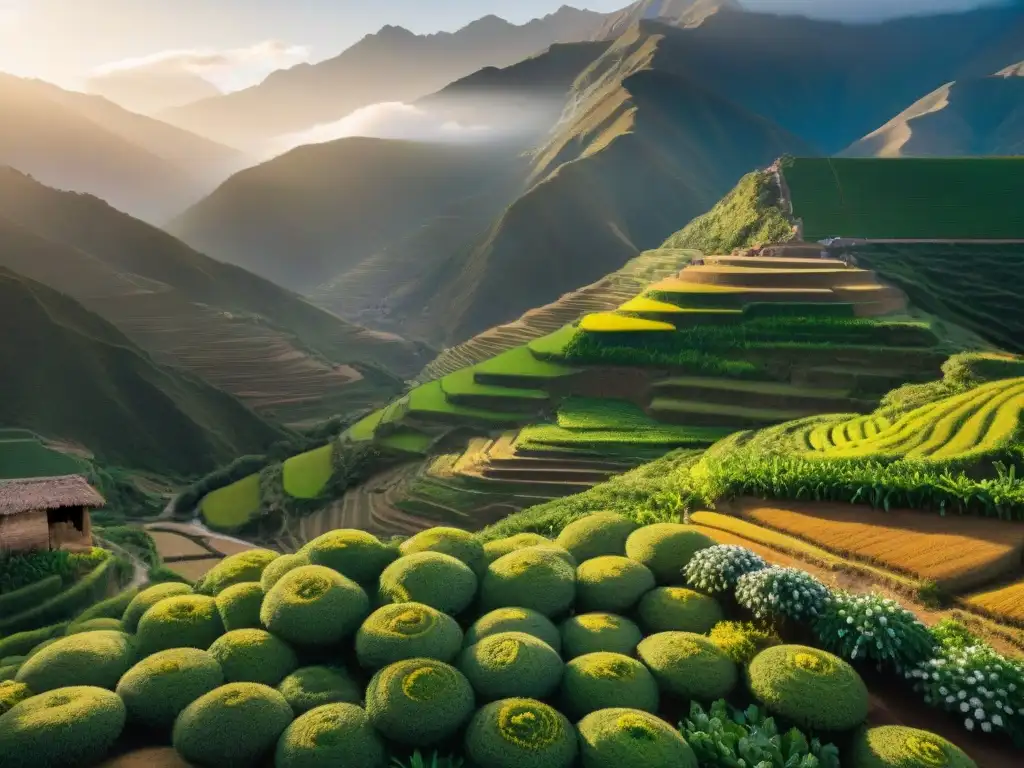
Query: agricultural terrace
(22, 454)
(907, 198)
(614, 643)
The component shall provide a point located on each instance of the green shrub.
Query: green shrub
(184, 621)
(30, 595)
(688, 666)
(809, 687)
(23, 643)
(677, 609)
(554, 549)
(460, 544)
(280, 566)
(511, 664)
(95, 659)
(593, 632)
(742, 642)
(631, 738)
(239, 606)
(44, 644)
(329, 736)
(356, 554)
(71, 602)
(311, 687)
(253, 656)
(8, 661)
(596, 535)
(146, 599)
(67, 728)
(603, 680)
(235, 725)
(432, 578)
(895, 746)
(419, 702)
(611, 583)
(717, 569)
(495, 549)
(529, 578)
(236, 569)
(666, 548)
(9, 672)
(12, 692)
(314, 606)
(159, 687)
(93, 625)
(521, 733)
(514, 620)
(407, 631)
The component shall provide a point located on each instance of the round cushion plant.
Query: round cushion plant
(314, 606)
(12, 692)
(666, 548)
(602, 533)
(149, 597)
(239, 606)
(66, 728)
(630, 738)
(91, 659)
(235, 569)
(185, 621)
(529, 578)
(329, 736)
(555, 549)
(688, 665)
(254, 656)
(159, 687)
(603, 680)
(896, 746)
(280, 566)
(511, 664)
(359, 555)
(741, 642)
(419, 702)
(456, 542)
(407, 631)
(498, 547)
(592, 632)
(432, 578)
(311, 687)
(812, 688)
(514, 620)
(235, 725)
(611, 583)
(677, 609)
(520, 733)
(92, 625)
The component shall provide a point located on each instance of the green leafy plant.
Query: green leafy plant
(436, 760)
(717, 569)
(776, 591)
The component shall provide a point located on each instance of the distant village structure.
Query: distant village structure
(46, 513)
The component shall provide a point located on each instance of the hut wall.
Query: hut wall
(24, 531)
(70, 528)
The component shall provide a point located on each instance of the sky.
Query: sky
(235, 43)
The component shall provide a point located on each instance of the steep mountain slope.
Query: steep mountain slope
(391, 65)
(69, 374)
(679, 13)
(150, 92)
(88, 144)
(972, 116)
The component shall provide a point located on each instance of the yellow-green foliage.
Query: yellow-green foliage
(432, 578)
(601, 533)
(677, 609)
(631, 738)
(280, 566)
(419, 702)
(459, 544)
(642, 304)
(495, 549)
(356, 554)
(93, 625)
(592, 632)
(91, 659)
(520, 733)
(666, 548)
(529, 578)
(235, 725)
(239, 605)
(236, 569)
(307, 474)
(742, 642)
(311, 687)
(611, 583)
(12, 692)
(688, 665)
(24, 643)
(314, 606)
(407, 631)
(253, 656)
(159, 687)
(331, 735)
(896, 746)
(514, 620)
(511, 664)
(233, 505)
(66, 728)
(185, 621)
(809, 687)
(149, 597)
(601, 680)
(610, 322)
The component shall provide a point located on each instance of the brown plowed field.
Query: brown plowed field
(747, 277)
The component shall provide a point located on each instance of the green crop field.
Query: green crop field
(233, 505)
(306, 475)
(27, 457)
(463, 383)
(430, 399)
(521, 362)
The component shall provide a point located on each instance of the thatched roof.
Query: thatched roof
(47, 493)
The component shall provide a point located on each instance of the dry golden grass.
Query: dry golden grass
(1005, 604)
(773, 556)
(172, 545)
(194, 569)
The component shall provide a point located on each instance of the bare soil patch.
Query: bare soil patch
(172, 546)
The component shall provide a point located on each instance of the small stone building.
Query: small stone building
(43, 513)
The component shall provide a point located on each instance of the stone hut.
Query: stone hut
(43, 513)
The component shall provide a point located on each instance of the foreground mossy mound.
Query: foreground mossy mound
(331, 735)
(495, 549)
(254, 656)
(895, 746)
(511, 664)
(314, 606)
(311, 687)
(159, 687)
(529, 578)
(677, 609)
(460, 544)
(603, 680)
(185, 621)
(280, 566)
(521, 733)
(432, 578)
(356, 554)
(239, 606)
(12, 692)
(630, 738)
(688, 666)
(514, 620)
(611, 583)
(407, 631)
(602, 533)
(593, 632)
(666, 548)
(235, 569)
(147, 598)
(95, 659)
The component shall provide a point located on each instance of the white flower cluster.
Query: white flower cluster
(717, 569)
(777, 591)
(977, 683)
(873, 627)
